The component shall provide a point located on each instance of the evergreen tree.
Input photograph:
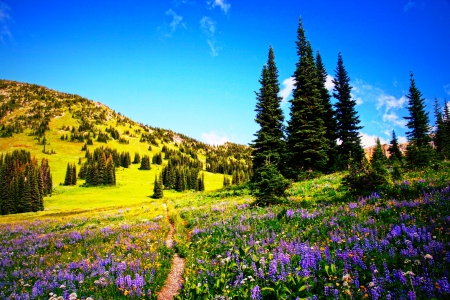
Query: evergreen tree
(68, 178)
(419, 151)
(137, 158)
(269, 140)
(307, 145)
(347, 118)
(328, 114)
(74, 175)
(157, 188)
(439, 136)
(226, 181)
(145, 163)
(269, 186)
(202, 185)
(394, 150)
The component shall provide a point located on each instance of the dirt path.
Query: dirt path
(174, 279)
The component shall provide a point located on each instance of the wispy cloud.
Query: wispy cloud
(177, 22)
(368, 140)
(447, 88)
(387, 105)
(5, 18)
(329, 85)
(178, 2)
(213, 138)
(289, 84)
(224, 6)
(208, 26)
(408, 6)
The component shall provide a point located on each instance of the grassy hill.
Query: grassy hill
(30, 113)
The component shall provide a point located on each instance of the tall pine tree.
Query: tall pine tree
(328, 114)
(269, 142)
(347, 118)
(419, 151)
(307, 145)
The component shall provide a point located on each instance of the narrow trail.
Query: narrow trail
(174, 279)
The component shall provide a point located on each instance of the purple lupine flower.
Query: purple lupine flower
(411, 295)
(290, 213)
(256, 293)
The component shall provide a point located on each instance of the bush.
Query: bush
(269, 186)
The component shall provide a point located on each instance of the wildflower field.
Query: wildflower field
(376, 247)
(322, 244)
(113, 254)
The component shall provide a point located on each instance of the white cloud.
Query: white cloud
(393, 118)
(447, 88)
(213, 47)
(287, 90)
(213, 138)
(329, 85)
(368, 140)
(402, 139)
(409, 5)
(390, 102)
(208, 26)
(177, 22)
(5, 18)
(224, 6)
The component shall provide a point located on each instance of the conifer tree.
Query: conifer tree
(440, 132)
(347, 118)
(68, 178)
(419, 151)
(307, 146)
(137, 158)
(394, 150)
(269, 140)
(328, 114)
(157, 188)
(74, 175)
(145, 163)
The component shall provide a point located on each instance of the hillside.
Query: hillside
(57, 126)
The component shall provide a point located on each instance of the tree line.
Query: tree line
(308, 145)
(24, 183)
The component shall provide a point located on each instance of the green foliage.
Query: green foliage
(137, 158)
(394, 150)
(145, 163)
(365, 178)
(419, 152)
(71, 175)
(269, 186)
(23, 183)
(307, 145)
(329, 115)
(269, 116)
(347, 118)
(158, 188)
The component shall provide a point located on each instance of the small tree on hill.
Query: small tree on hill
(419, 151)
(394, 149)
(269, 186)
(158, 188)
(145, 163)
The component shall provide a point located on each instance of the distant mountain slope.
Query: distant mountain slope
(57, 125)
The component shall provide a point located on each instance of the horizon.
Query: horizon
(193, 66)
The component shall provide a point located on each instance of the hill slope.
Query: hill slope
(58, 125)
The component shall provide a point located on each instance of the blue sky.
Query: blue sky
(193, 65)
